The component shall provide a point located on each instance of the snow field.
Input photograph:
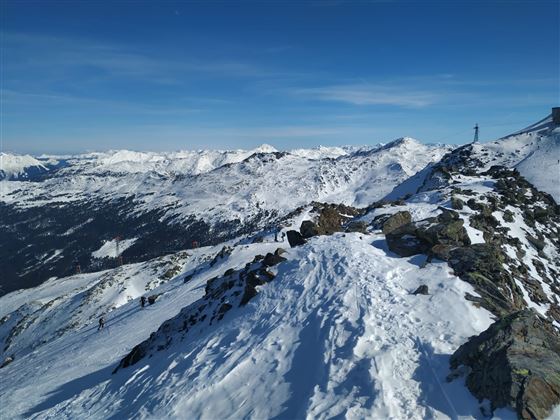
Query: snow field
(337, 333)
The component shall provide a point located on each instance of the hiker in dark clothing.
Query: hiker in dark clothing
(143, 301)
(101, 324)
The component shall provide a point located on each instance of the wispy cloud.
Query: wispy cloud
(59, 55)
(369, 94)
(425, 91)
(28, 100)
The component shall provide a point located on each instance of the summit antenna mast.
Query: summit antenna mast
(475, 133)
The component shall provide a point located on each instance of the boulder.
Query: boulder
(377, 222)
(272, 259)
(421, 290)
(395, 221)
(295, 238)
(254, 278)
(223, 309)
(420, 237)
(446, 233)
(404, 242)
(536, 242)
(357, 226)
(482, 266)
(308, 229)
(457, 203)
(514, 363)
(152, 298)
(440, 251)
(135, 355)
(508, 216)
(279, 251)
(330, 219)
(447, 215)
(474, 205)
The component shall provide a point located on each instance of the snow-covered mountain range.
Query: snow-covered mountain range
(165, 202)
(333, 282)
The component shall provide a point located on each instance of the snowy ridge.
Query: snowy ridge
(534, 151)
(15, 166)
(183, 162)
(242, 189)
(331, 297)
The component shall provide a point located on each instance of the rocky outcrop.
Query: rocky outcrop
(271, 259)
(395, 221)
(356, 226)
(222, 294)
(308, 229)
(405, 243)
(457, 203)
(7, 361)
(482, 266)
(420, 237)
(331, 218)
(152, 298)
(516, 363)
(295, 238)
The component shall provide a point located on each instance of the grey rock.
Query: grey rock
(272, 259)
(308, 229)
(514, 363)
(395, 221)
(419, 237)
(421, 290)
(457, 203)
(279, 251)
(357, 226)
(295, 238)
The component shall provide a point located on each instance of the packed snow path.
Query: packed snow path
(336, 333)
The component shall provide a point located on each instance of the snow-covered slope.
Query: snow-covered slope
(534, 151)
(184, 162)
(112, 249)
(336, 332)
(340, 309)
(17, 166)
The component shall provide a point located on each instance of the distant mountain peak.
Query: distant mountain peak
(265, 148)
(403, 141)
(14, 166)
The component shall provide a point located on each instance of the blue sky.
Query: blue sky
(95, 75)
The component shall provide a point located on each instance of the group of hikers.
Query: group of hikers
(143, 300)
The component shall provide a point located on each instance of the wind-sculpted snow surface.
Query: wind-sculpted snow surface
(337, 332)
